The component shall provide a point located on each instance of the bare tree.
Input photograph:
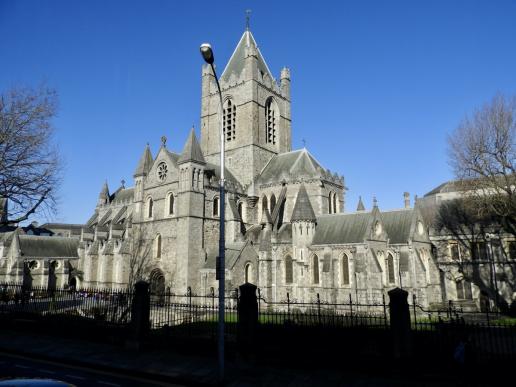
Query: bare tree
(140, 256)
(482, 152)
(29, 162)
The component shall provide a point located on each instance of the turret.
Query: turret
(360, 206)
(144, 165)
(303, 220)
(104, 195)
(285, 82)
(191, 165)
(256, 112)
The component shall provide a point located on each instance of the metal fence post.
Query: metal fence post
(140, 315)
(414, 300)
(384, 311)
(318, 309)
(247, 320)
(400, 322)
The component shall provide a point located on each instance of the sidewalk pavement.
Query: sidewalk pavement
(166, 365)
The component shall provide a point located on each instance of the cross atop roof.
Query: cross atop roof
(247, 18)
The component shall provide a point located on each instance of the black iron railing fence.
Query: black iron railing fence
(486, 336)
(489, 335)
(322, 313)
(110, 305)
(191, 313)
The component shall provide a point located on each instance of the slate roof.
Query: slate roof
(233, 251)
(397, 224)
(93, 219)
(48, 247)
(145, 162)
(342, 228)
(173, 156)
(237, 61)
(123, 195)
(75, 229)
(296, 164)
(6, 237)
(228, 176)
(303, 209)
(192, 150)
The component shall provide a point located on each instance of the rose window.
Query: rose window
(162, 171)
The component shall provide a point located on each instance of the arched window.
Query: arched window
(157, 247)
(390, 269)
(248, 273)
(229, 120)
(271, 117)
(171, 203)
(273, 202)
(345, 270)
(216, 206)
(289, 270)
(464, 290)
(330, 202)
(334, 203)
(315, 269)
(150, 204)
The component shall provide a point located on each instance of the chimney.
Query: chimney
(406, 199)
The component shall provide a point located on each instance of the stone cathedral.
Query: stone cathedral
(286, 225)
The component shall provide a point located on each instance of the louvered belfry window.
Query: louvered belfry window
(270, 122)
(229, 121)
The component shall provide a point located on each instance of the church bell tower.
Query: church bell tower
(256, 112)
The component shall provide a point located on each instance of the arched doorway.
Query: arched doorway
(157, 285)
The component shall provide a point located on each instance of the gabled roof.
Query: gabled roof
(232, 253)
(303, 209)
(398, 224)
(293, 165)
(123, 195)
(236, 63)
(145, 162)
(48, 247)
(342, 228)
(192, 150)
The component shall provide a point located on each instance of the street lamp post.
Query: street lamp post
(207, 54)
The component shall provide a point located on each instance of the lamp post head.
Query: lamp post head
(207, 53)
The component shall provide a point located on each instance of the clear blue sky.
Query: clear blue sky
(376, 85)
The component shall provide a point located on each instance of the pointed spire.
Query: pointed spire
(104, 194)
(303, 209)
(145, 163)
(245, 47)
(192, 150)
(105, 189)
(360, 206)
